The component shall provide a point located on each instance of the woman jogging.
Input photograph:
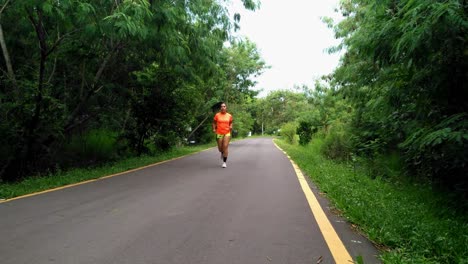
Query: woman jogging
(222, 126)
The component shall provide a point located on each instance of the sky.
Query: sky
(291, 39)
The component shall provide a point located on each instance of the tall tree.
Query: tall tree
(91, 64)
(405, 71)
(280, 107)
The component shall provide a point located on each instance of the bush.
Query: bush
(305, 131)
(337, 144)
(90, 147)
(389, 165)
(288, 131)
(166, 141)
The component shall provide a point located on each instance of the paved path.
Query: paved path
(188, 210)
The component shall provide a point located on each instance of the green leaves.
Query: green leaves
(251, 4)
(404, 72)
(440, 148)
(88, 52)
(305, 131)
(130, 18)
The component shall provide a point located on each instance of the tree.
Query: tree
(241, 62)
(281, 107)
(81, 65)
(404, 70)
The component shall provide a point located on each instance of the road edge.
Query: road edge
(334, 243)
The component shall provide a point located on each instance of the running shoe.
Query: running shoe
(224, 165)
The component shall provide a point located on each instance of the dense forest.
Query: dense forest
(85, 82)
(405, 74)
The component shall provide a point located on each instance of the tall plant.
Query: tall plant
(405, 72)
(73, 64)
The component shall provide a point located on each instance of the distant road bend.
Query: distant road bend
(259, 210)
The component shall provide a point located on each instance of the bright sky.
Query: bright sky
(292, 39)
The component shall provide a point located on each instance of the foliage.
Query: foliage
(413, 223)
(337, 144)
(328, 118)
(305, 132)
(288, 132)
(243, 121)
(279, 108)
(442, 150)
(143, 70)
(240, 62)
(404, 71)
(160, 91)
(93, 146)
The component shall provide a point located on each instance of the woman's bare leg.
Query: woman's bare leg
(220, 144)
(225, 146)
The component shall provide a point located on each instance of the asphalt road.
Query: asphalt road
(188, 210)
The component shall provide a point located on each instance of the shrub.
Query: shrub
(166, 141)
(288, 131)
(89, 147)
(337, 143)
(305, 131)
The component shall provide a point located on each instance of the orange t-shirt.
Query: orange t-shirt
(223, 123)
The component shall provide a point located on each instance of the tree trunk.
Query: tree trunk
(30, 134)
(6, 55)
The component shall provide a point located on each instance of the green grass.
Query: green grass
(97, 145)
(41, 183)
(410, 222)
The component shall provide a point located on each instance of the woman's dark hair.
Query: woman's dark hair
(217, 106)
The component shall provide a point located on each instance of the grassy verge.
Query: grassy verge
(37, 184)
(411, 222)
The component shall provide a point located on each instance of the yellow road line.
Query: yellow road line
(336, 246)
(88, 181)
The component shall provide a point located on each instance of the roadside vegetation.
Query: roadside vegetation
(410, 222)
(117, 85)
(116, 79)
